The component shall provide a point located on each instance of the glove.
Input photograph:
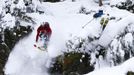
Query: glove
(35, 45)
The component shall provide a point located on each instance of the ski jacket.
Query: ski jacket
(44, 29)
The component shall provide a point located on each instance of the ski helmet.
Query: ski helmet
(46, 24)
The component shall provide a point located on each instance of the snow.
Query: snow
(66, 23)
(128, 39)
(118, 26)
(114, 2)
(118, 70)
(9, 20)
(28, 59)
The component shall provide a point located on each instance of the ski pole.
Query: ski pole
(87, 23)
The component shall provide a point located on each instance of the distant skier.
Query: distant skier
(44, 33)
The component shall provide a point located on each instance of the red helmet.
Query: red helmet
(45, 24)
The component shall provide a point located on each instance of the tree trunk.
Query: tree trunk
(100, 3)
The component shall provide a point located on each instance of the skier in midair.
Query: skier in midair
(44, 33)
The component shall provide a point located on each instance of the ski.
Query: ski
(40, 48)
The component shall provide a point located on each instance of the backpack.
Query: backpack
(96, 15)
(99, 14)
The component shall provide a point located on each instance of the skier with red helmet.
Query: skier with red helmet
(44, 32)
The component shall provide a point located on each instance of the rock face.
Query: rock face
(8, 38)
(130, 73)
(4, 52)
(72, 63)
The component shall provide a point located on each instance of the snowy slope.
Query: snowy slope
(118, 70)
(65, 23)
(25, 59)
(115, 28)
(31, 61)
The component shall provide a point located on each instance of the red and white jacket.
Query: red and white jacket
(44, 29)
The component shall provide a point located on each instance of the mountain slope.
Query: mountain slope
(66, 23)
